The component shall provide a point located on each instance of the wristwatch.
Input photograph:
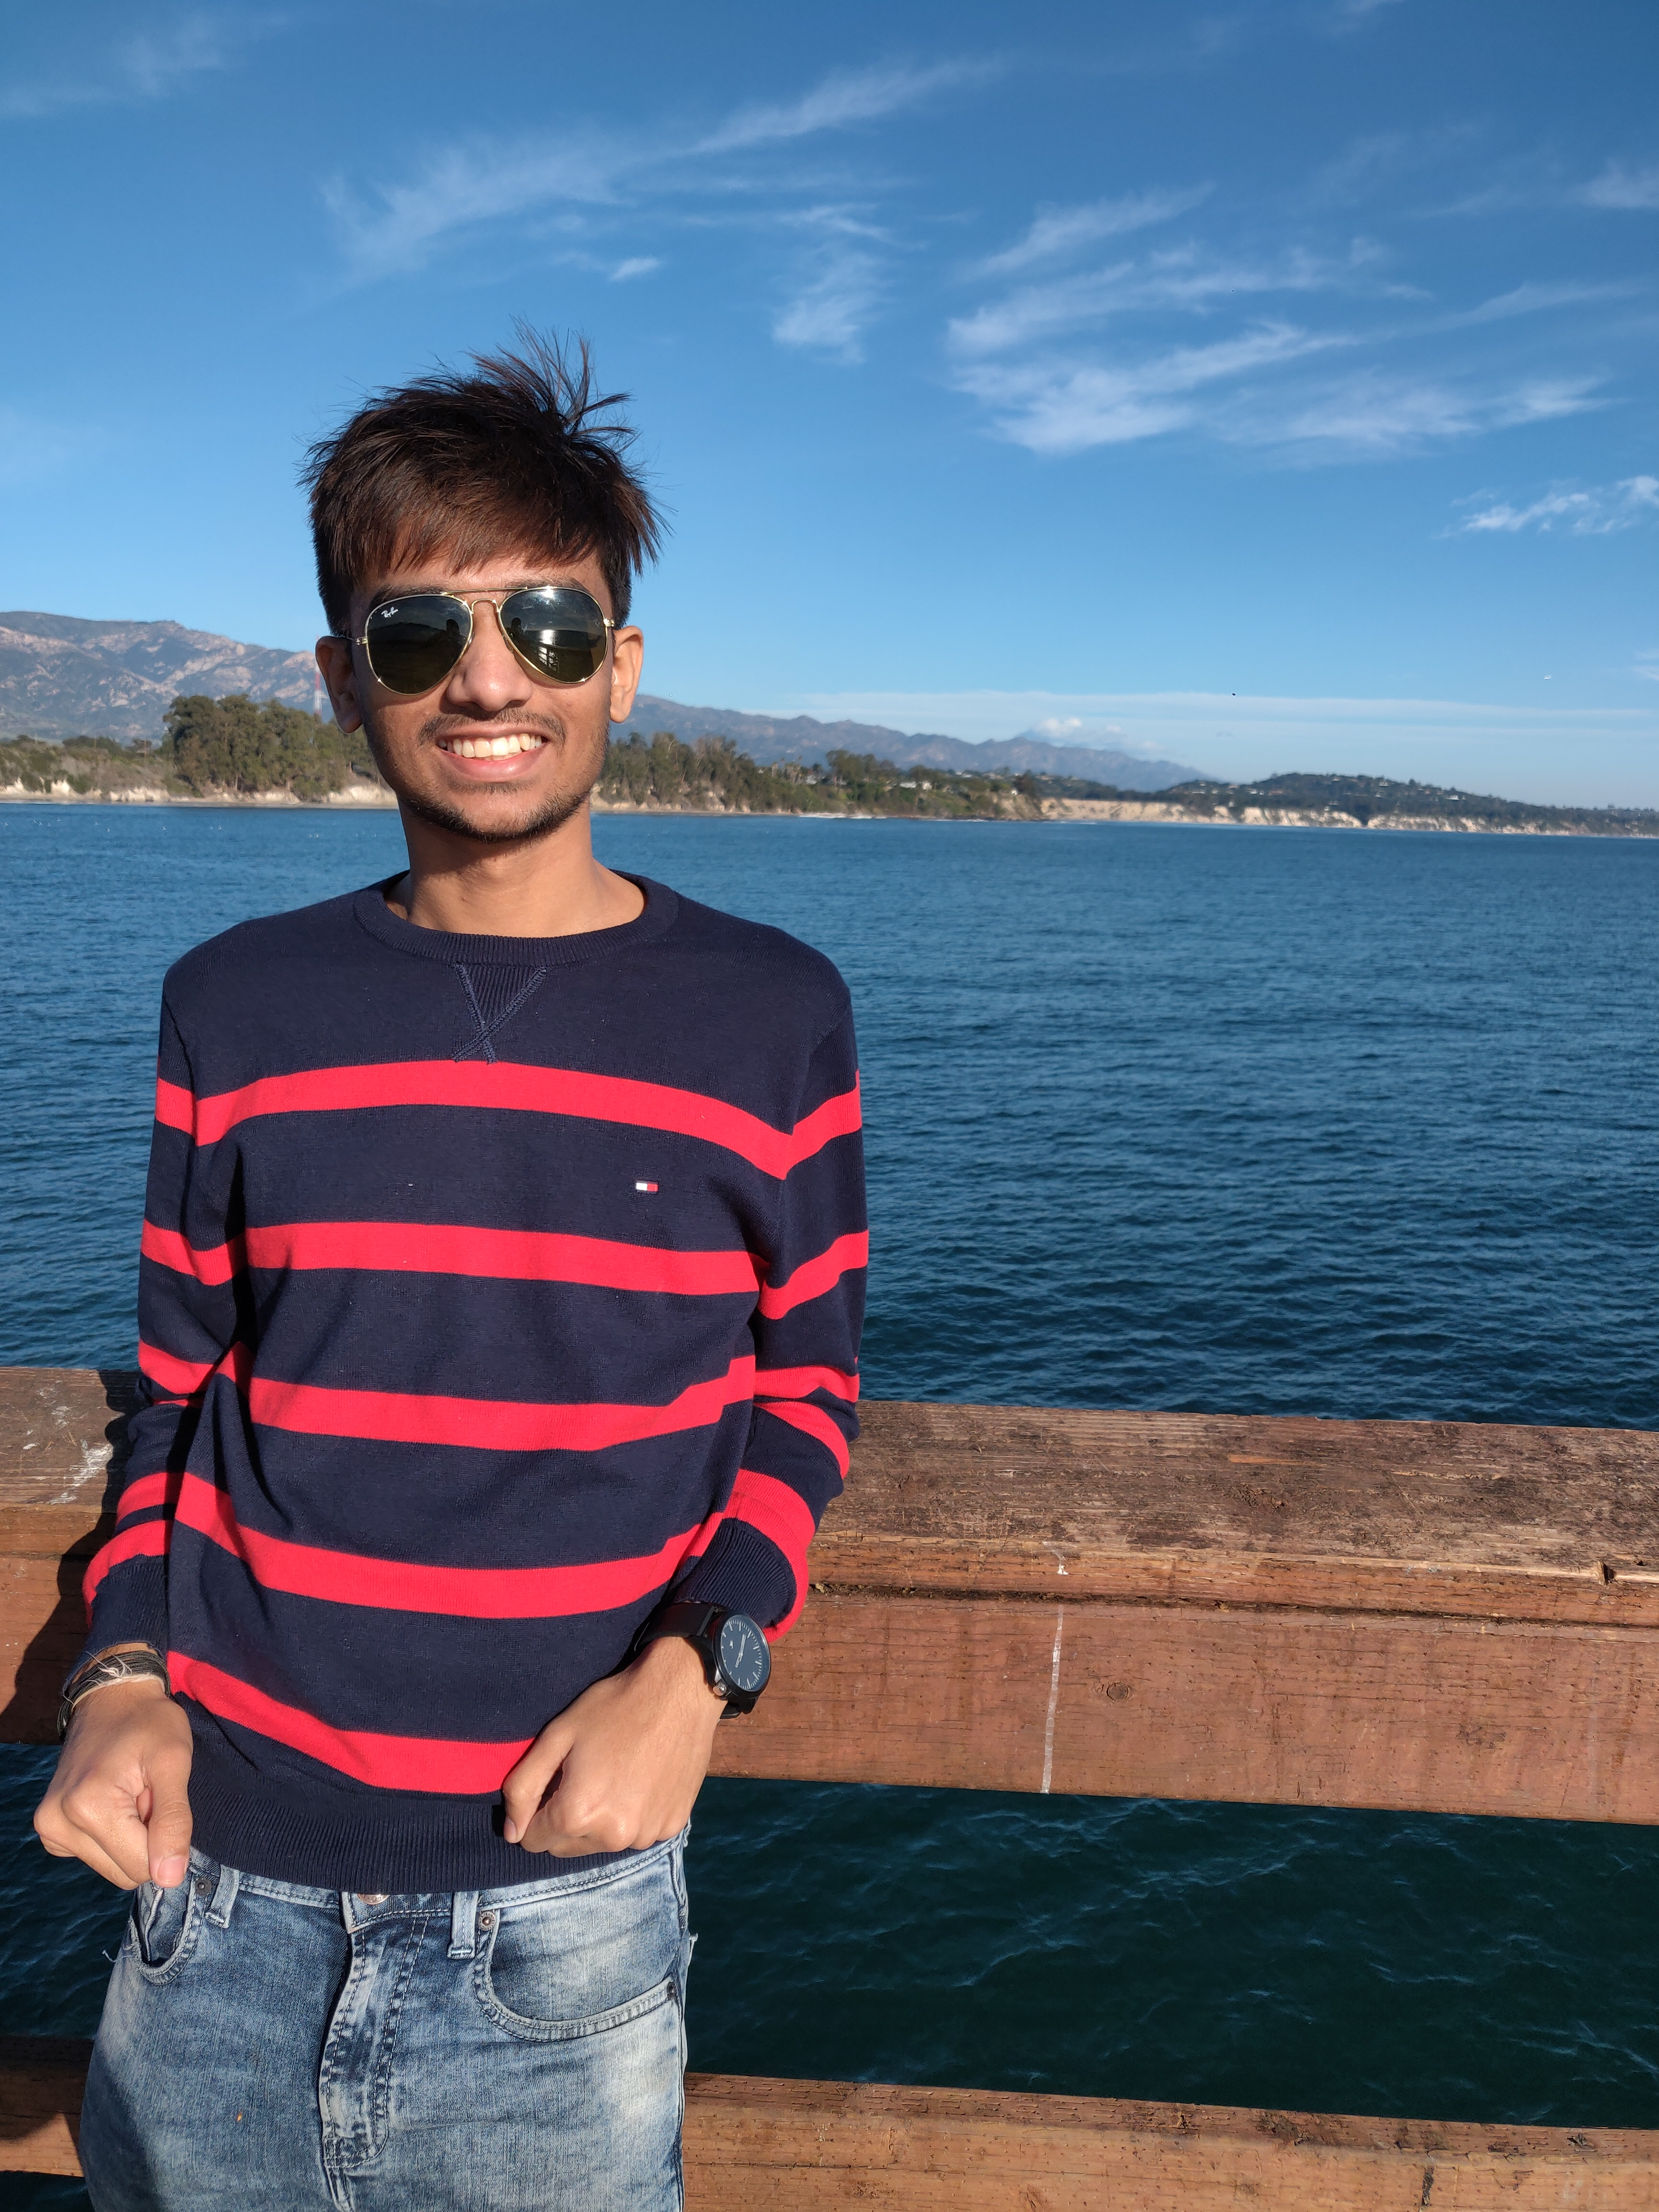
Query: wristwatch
(735, 1654)
(113, 1667)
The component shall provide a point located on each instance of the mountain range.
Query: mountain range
(768, 739)
(63, 677)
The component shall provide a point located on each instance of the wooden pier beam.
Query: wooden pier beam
(810, 2146)
(1414, 1616)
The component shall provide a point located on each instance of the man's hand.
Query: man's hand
(120, 1797)
(620, 1769)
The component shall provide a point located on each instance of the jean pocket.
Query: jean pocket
(529, 2030)
(163, 1928)
(554, 1969)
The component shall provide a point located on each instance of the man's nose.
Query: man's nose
(488, 677)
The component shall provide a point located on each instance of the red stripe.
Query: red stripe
(782, 1514)
(387, 1762)
(814, 1422)
(801, 1382)
(148, 1490)
(816, 1276)
(148, 1540)
(400, 1586)
(173, 1374)
(491, 1423)
(522, 1254)
(838, 1117)
(508, 1085)
(212, 1263)
(175, 1108)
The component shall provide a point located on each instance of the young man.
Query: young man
(500, 1293)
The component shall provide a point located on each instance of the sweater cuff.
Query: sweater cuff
(131, 1607)
(742, 1570)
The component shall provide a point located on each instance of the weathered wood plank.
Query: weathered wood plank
(1409, 1615)
(41, 2078)
(808, 2146)
(1526, 1719)
(1440, 1517)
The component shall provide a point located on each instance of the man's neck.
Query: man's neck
(548, 886)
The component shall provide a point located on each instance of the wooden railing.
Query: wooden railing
(1427, 1617)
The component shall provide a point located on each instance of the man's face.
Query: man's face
(492, 752)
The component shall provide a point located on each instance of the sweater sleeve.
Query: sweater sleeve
(805, 1328)
(188, 1286)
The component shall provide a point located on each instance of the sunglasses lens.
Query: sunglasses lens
(558, 633)
(412, 644)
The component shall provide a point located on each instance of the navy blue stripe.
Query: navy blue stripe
(441, 1505)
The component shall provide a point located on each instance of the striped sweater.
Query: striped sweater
(491, 1288)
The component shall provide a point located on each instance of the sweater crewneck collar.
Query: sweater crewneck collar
(456, 948)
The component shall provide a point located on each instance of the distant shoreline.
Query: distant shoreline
(364, 798)
(228, 752)
(358, 798)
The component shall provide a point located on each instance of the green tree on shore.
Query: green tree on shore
(231, 745)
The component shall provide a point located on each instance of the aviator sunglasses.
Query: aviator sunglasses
(558, 630)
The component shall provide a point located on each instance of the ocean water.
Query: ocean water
(1255, 1121)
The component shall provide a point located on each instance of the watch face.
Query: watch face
(746, 1662)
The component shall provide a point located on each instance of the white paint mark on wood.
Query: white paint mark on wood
(1054, 1704)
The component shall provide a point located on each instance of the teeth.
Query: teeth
(493, 748)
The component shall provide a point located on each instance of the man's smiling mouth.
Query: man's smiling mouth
(521, 741)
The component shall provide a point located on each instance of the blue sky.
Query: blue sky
(1273, 385)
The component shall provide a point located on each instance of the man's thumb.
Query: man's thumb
(170, 1828)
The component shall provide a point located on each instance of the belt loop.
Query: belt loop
(224, 1898)
(463, 1923)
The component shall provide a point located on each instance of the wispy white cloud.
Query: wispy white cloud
(1375, 414)
(1352, 15)
(1240, 391)
(1068, 409)
(832, 308)
(1595, 512)
(1621, 184)
(1534, 299)
(1078, 730)
(638, 265)
(1545, 181)
(147, 64)
(1092, 356)
(1381, 162)
(1190, 279)
(1060, 230)
(392, 227)
(848, 97)
(396, 226)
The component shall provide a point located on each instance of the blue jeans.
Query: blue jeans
(273, 2048)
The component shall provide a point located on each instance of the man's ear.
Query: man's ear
(339, 674)
(627, 658)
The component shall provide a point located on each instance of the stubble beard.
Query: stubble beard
(540, 820)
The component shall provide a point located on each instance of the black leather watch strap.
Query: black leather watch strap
(693, 1622)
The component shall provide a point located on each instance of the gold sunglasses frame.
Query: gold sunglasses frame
(496, 599)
